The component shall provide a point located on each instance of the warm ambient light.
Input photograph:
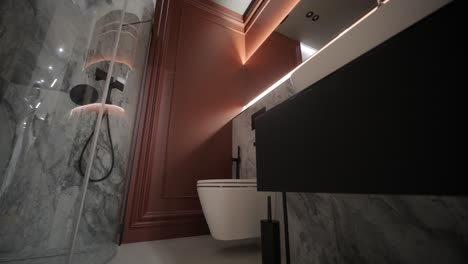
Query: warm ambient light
(267, 91)
(104, 59)
(306, 51)
(108, 108)
(288, 75)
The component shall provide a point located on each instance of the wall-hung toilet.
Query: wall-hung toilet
(233, 208)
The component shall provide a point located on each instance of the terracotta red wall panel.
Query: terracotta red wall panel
(196, 84)
(277, 56)
(207, 56)
(194, 78)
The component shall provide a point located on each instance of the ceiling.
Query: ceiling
(334, 16)
(238, 6)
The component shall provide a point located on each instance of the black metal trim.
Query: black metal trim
(255, 115)
(237, 161)
(286, 229)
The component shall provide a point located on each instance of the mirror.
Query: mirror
(314, 23)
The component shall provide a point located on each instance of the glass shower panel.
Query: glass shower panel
(99, 227)
(41, 58)
(52, 60)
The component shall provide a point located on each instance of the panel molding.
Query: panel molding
(229, 18)
(170, 87)
(219, 19)
(152, 132)
(217, 9)
(255, 8)
(219, 14)
(154, 121)
(164, 218)
(144, 218)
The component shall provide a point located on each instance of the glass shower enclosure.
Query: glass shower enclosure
(71, 72)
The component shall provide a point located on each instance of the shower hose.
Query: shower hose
(80, 169)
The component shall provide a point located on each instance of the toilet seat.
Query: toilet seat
(228, 183)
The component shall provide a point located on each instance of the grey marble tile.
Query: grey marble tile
(41, 141)
(378, 229)
(244, 136)
(105, 253)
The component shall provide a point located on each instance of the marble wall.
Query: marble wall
(41, 140)
(332, 228)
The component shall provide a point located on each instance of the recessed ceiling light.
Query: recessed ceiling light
(50, 67)
(60, 49)
(42, 80)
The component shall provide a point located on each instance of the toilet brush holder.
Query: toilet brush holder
(270, 231)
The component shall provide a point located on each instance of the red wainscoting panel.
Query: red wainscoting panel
(277, 56)
(196, 83)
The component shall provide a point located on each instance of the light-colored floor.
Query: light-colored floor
(190, 250)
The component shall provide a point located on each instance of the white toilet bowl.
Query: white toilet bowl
(233, 208)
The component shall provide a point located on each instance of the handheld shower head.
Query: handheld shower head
(83, 94)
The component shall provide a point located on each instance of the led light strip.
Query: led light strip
(288, 75)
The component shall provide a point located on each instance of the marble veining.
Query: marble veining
(378, 229)
(41, 141)
(244, 136)
(360, 229)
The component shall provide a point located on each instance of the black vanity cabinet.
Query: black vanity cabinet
(390, 122)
